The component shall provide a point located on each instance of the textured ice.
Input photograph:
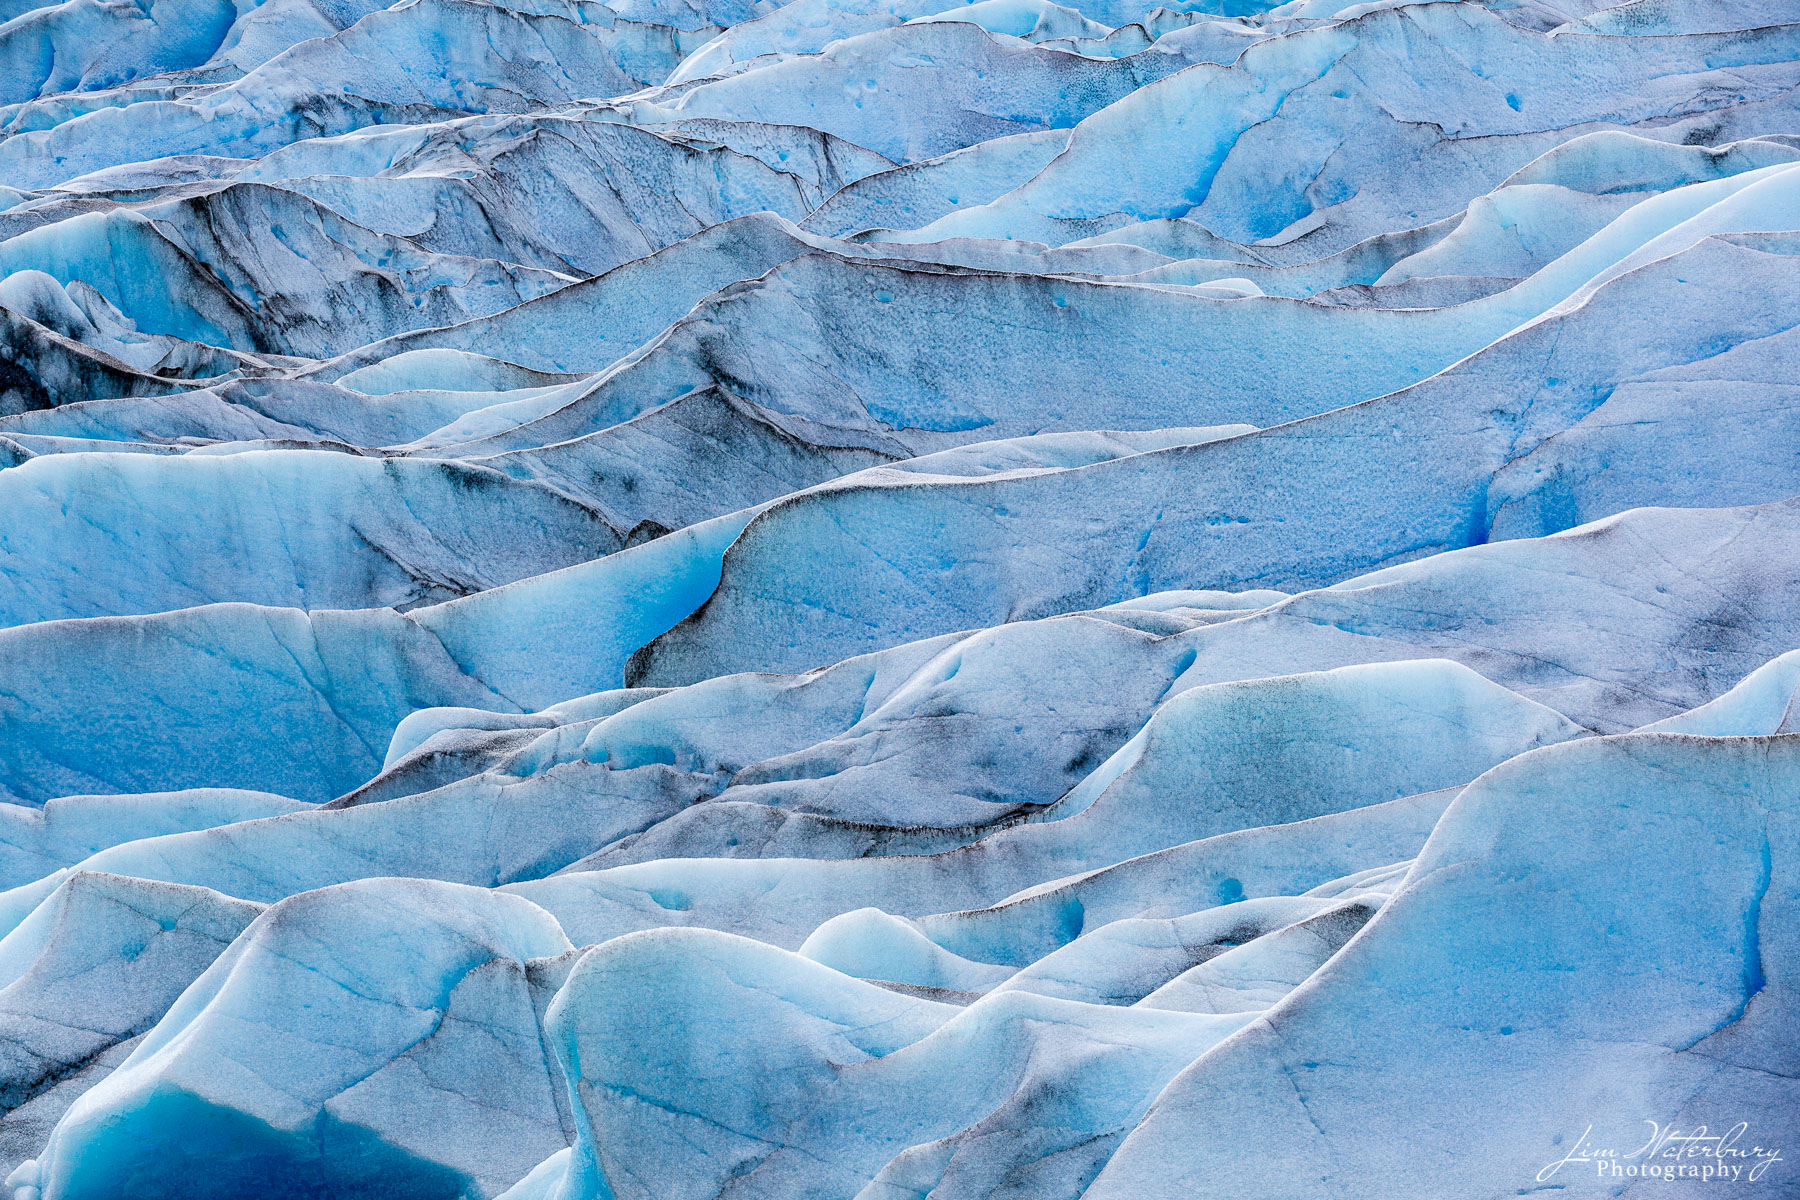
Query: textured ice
(886, 599)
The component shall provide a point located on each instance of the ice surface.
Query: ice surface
(437, 983)
(888, 599)
(1670, 983)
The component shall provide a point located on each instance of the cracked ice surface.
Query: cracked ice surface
(884, 599)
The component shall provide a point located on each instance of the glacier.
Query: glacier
(899, 599)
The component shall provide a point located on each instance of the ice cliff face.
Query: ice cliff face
(684, 599)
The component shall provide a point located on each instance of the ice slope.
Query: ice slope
(1487, 454)
(393, 533)
(917, 193)
(1761, 705)
(442, 981)
(43, 367)
(38, 841)
(388, 68)
(809, 26)
(1318, 128)
(292, 264)
(1051, 1084)
(1610, 659)
(798, 340)
(923, 90)
(83, 46)
(544, 810)
(95, 967)
(993, 1119)
(335, 682)
(886, 599)
(568, 193)
(1669, 999)
(1316, 732)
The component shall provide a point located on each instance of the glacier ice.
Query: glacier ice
(884, 599)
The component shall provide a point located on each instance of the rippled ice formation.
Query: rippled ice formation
(682, 599)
